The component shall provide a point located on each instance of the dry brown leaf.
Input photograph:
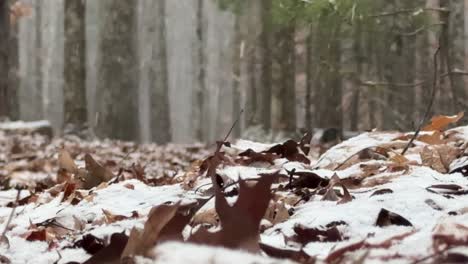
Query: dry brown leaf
(399, 159)
(209, 217)
(430, 157)
(440, 122)
(140, 243)
(112, 218)
(96, 173)
(240, 222)
(276, 212)
(66, 162)
(436, 138)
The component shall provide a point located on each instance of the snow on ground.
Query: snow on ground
(434, 202)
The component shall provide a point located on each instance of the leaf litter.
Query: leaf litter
(119, 202)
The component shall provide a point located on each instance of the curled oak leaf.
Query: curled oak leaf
(331, 194)
(90, 244)
(307, 180)
(296, 255)
(66, 162)
(445, 188)
(387, 218)
(289, 150)
(68, 189)
(112, 218)
(305, 234)
(381, 192)
(37, 235)
(440, 122)
(249, 156)
(96, 173)
(240, 222)
(276, 212)
(138, 172)
(430, 157)
(111, 253)
(140, 242)
(304, 144)
(173, 229)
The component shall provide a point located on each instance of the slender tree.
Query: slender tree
(158, 76)
(117, 93)
(266, 62)
(13, 76)
(74, 94)
(4, 50)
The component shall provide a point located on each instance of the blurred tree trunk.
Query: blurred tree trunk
(266, 62)
(452, 49)
(236, 75)
(39, 51)
(358, 58)
(284, 81)
(329, 96)
(159, 84)
(13, 74)
(74, 94)
(309, 77)
(117, 93)
(200, 117)
(252, 69)
(4, 51)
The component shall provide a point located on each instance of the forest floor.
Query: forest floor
(68, 200)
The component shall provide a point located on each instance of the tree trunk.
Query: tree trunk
(75, 111)
(4, 50)
(266, 61)
(159, 84)
(309, 78)
(452, 49)
(358, 58)
(236, 76)
(117, 91)
(13, 74)
(200, 120)
(39, 53)
(284, 83)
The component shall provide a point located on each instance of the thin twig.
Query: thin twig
(2, 238)
(429, 106)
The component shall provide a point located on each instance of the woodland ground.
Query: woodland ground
(68, 200)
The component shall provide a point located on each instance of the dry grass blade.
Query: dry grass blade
(10, 217)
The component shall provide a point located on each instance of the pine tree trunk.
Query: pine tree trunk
(75, 111)
(4, 50)
(117, 93)
(309, 78)
(159, 84)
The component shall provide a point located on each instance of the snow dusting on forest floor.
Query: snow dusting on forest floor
(68, 200)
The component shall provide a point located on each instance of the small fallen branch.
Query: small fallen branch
(429, 106)
(2, 238)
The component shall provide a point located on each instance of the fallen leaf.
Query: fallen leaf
(296, 255)
(112, 252)
(90, 244)
(440, 122)
(306, 235)
(66, 162)
(240, 222)
(96, 173)
(387, 218)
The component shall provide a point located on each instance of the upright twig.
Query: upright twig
(2, 238)
(429, 106)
